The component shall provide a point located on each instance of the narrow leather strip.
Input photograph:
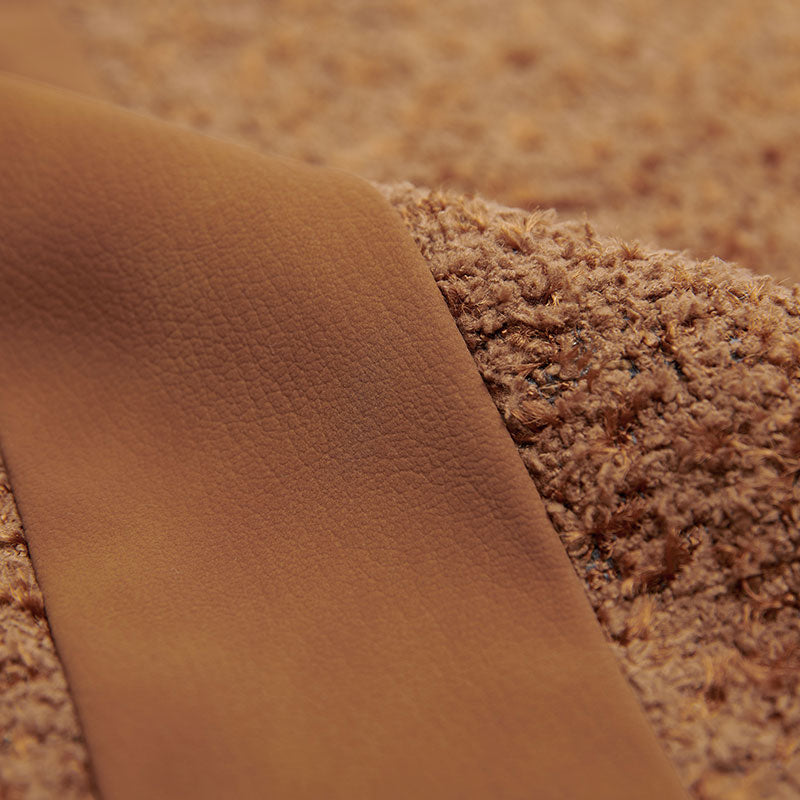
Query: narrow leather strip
(286, 545)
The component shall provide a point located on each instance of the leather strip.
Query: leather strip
(286, 544)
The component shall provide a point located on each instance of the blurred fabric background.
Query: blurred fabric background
(673, 123)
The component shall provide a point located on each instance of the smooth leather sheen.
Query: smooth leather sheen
(286, 544)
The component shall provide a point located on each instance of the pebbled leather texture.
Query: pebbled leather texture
(286, 544)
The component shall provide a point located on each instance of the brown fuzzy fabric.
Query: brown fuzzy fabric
(655, 403)
(42, 752)
(654, 398)
(671, 122)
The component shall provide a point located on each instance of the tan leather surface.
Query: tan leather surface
(286, 544)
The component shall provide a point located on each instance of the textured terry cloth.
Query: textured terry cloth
(285, 542)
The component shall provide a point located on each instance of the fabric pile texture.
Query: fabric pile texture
(653, 394)
(671, 122)
(655, 403)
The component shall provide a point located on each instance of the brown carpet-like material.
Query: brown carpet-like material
(667, 461)
(668, 123)
(655, 402)
(42, 750)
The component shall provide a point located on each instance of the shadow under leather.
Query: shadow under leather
(285, 541)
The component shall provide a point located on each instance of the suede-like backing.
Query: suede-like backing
(286, 544)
